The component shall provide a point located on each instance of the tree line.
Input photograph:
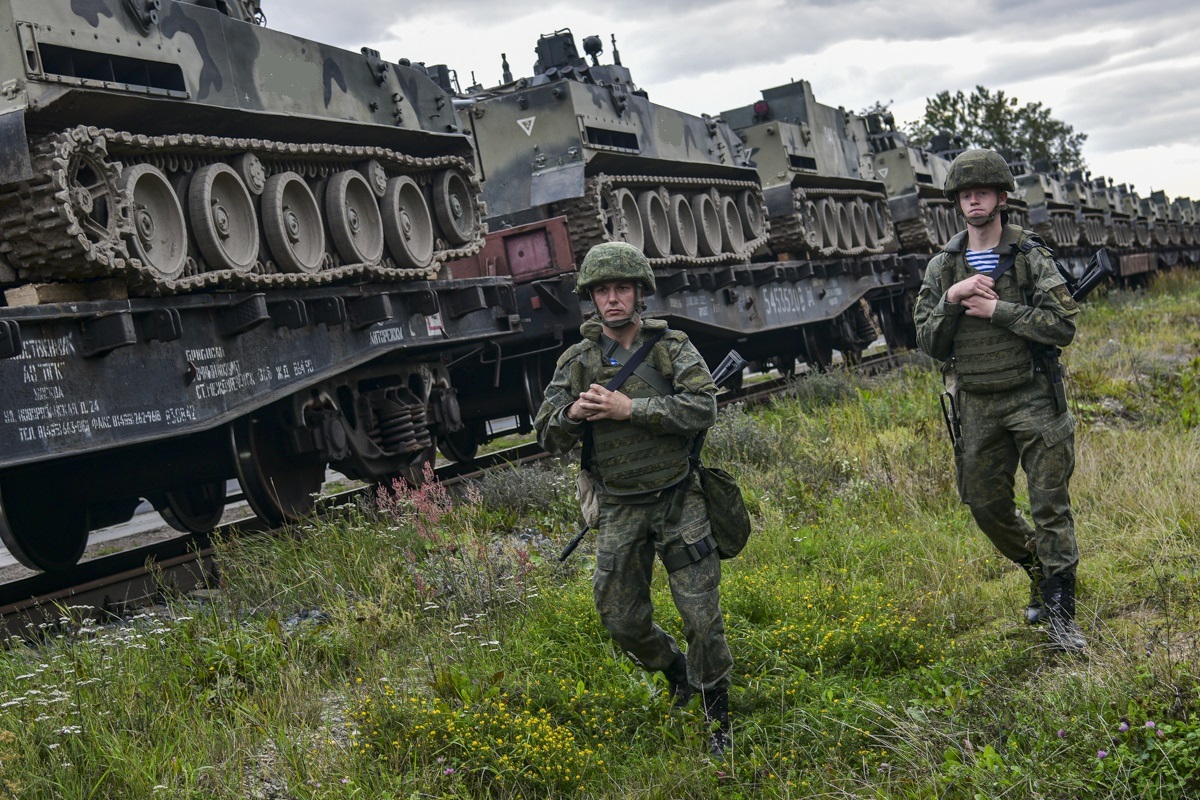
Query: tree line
(997, 121)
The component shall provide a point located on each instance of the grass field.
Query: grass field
(427, 645)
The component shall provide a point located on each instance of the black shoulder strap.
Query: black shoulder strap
(1009, 260)
(585, 458)
(612, 350)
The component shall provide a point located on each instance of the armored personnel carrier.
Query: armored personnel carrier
(1189, 217)
(220, 251)
(1089, 202)
(913, 178)
(1131, 204)
(1168, 218)
(1118, 224)
(580, 139)
(173, 146)
(1047, 201)
(823, 195)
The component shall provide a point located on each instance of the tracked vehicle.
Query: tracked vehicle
(1189, 217)
(1168, 220)
(221, 251)
(174, 146)
(913, 178)
(1090, 204)
(1048, 203)
(1118, 224)
(823, 195)
(580, 139)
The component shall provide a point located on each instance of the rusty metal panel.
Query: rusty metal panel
(531, 252)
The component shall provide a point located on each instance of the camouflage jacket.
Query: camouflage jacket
(691, 409)
(1048, 318)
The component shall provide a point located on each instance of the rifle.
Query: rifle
(1046, 356)
(1098, 269)
(731, 365)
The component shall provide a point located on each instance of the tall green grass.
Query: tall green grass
(425, 644)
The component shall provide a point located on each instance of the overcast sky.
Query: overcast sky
(1125, 73)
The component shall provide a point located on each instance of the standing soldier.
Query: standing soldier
(640, 435)
(995, 309)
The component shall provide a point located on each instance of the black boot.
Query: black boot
(676, 674)
(1035, 612)
(716, 710)
(1060, 608)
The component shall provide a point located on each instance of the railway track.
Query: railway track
(113, 585)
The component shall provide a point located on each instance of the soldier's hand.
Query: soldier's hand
(977, 306)
(599, 403)
(974, 286)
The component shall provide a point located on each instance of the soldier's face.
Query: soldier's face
(979, 201)
(614, 299)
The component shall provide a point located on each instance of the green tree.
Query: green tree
(994, 120)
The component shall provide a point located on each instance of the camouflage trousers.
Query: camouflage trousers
(630, 535)
(999, 431)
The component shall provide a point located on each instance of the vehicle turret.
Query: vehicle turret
(579, 138)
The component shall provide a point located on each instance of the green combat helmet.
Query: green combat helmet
(978, 168)
(614, 261)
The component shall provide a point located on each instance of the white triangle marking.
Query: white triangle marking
(527, 125)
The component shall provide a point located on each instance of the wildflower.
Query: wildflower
(1149, 723)
(1102, 754)
(1124, 726)
(448, 771)
(1062, 734)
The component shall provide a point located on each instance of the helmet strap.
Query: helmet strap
(1001, 207)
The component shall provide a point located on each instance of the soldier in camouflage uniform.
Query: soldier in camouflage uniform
(989, 331)
(641, 435)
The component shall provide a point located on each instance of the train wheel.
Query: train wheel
(452, 203)
(354, 220)
(751, 213)
(292, 224)
(46, 536)
(732, 238)
(682, 224)
(407, 223)
(159, 237)
(279, 485)
(222, 217)
(462, 445)
(625, 219)
(655, 228)
(708, 224)
(196, 509)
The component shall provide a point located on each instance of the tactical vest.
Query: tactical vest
(628, 459)
(987, 357)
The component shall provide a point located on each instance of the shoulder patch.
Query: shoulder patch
(1064, 297)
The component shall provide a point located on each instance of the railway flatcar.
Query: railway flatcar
(222, 254)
